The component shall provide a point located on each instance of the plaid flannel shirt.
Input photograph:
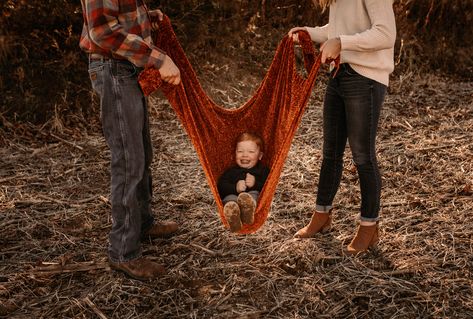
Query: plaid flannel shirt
(119, 29)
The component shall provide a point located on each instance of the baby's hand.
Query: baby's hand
(250, 180)
(241, 186)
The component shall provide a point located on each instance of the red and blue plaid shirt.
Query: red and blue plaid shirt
(119, 29)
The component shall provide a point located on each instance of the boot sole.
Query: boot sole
(131, 275)
(323, 230)
(233, 219)
(247, 209)
(371, 247)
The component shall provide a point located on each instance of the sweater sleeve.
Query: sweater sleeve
(318, 34)
(261, 178)
(382, 33)
(226, 185)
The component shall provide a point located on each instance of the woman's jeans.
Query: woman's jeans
(351, 111)
(125, 125)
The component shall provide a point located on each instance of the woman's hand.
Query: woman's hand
(155, 14)
(293, 33)
(331, 49)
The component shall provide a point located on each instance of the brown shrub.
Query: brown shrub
(44, 73)
(435, 35)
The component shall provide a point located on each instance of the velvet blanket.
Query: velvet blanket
(274, 112)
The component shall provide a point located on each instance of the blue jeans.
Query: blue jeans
(124, 117)
(351, 111)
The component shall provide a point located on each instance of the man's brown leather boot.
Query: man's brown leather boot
(319, 223)
(161, 229)
(141, 268)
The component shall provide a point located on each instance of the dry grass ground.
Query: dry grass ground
(54, 220)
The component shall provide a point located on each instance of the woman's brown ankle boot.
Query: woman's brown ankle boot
(320, 223)
(366, 237)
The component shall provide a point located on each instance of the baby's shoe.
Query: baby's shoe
(232, 214)
(247, 208)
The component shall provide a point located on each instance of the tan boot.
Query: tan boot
(141, 268)
(232, 214)
(247, 208)
(366, 237)
(320, 223)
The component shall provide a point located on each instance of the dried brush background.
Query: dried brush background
(54, 179)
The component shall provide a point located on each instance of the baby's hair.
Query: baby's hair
(248, 136)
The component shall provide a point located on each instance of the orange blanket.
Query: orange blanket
(274, 112)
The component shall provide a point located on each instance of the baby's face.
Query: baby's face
(247, 154)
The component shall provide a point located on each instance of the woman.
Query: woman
(362, 32)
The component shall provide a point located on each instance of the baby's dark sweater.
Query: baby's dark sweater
(227, 182)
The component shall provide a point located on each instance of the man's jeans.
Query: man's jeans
(351, 111)
(125, 125)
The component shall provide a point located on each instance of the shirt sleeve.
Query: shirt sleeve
(107, 32)
(382, 33)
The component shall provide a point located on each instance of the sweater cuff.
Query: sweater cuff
(347, 42)
(317, 34)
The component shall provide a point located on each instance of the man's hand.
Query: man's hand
(250, 180)
(169, 71)
(155, 14)
(241, 186)
(331, 49)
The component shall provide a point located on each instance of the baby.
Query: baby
(240, 185)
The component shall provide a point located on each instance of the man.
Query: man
(117, 37)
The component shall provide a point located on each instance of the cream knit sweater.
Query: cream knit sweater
(367, 31)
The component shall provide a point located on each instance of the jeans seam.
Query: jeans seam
(370, 121)
(375, 162)
(372, 156)
(126, 223)
(334, 172)
(333, 189)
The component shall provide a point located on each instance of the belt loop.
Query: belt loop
(97, 57)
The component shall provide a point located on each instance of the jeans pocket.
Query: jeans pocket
(349, 70)
(123, 70)
(96, 78)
